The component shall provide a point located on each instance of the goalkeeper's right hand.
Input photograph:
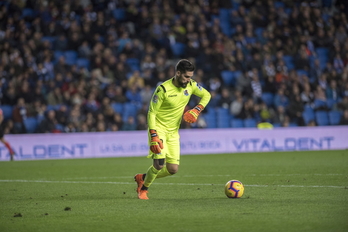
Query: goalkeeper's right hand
(156, 143)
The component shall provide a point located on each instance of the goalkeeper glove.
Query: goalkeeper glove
(156, 143)
(192, 115)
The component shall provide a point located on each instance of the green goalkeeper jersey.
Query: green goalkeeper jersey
(168, 103)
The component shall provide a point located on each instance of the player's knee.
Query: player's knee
(158, 164)
(173, 170)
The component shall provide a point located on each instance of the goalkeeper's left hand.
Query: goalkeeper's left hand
(192, 115)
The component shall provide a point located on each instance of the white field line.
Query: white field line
(129, 177)
(192, 184)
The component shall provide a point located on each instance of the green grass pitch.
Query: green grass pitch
(284, 191)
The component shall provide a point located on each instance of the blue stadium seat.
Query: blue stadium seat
(319, 104)
(83, 63)
(119, 14)
(289, 62)
(235, 4)
(301, 72)
(7, 111)
(330, 103)
(334, 117)
(278, 4)
(327, 3)
(50, 39)
(117, 107)
(224, 15)
(210, 119)
(308, 116)
(308, 108)
(30, 124)
(223, 117)
(59, 127)
(28, 13)
(323, 56)
(133, 63)
(223, 124)
(258, 31)
(277, 125)
(267, 98)
(223, 112)
(250, 122)
(57, 55)
(70, 57)
(322, 52)
(228, 77)
(226, 28)
(322, 118)
(237, 123)
(293, 124)
(250, 40)
(178, 49)
(129, 109)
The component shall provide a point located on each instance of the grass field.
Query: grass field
(285, 191)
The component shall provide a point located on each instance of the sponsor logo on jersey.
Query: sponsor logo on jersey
(155, 99)
(186, 93)
(199, 87)
(173, 95)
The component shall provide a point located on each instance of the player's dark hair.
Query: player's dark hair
(184, 66)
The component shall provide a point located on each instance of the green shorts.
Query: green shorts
(171, 147)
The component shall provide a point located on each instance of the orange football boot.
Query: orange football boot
(139, 179)
(143, 195)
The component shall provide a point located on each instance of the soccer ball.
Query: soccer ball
(234, 189)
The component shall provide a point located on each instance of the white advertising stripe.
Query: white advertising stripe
(193, 141)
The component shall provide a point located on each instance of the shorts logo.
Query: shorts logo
(155, 99)
(186, 93)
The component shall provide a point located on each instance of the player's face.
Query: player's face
(184, 78)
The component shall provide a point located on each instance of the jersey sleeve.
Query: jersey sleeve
(155, 104)
(201, 92)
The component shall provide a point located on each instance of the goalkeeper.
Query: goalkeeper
(164, 117)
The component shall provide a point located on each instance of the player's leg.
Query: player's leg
(172, 157)
(145, 180)
(8, 146)
(150, 176)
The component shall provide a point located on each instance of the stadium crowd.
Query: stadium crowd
(91, 65)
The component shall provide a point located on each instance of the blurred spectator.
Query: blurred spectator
(55, 97)
(225, 99)
(280, 99)
(129, 125)
(49, 123)
(332, 91)
(141, 125)
(19, 114)
(344, 118)
(295, 109)
(237, 104)
(133, 95)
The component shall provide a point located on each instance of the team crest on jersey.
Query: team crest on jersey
(199, 87)
(155, 99)
(186, 93)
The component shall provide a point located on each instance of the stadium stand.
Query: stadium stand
(90, 52)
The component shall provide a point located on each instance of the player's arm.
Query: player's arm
(192, 115)
(156, 101)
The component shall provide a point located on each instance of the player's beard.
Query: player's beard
(183, 85)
